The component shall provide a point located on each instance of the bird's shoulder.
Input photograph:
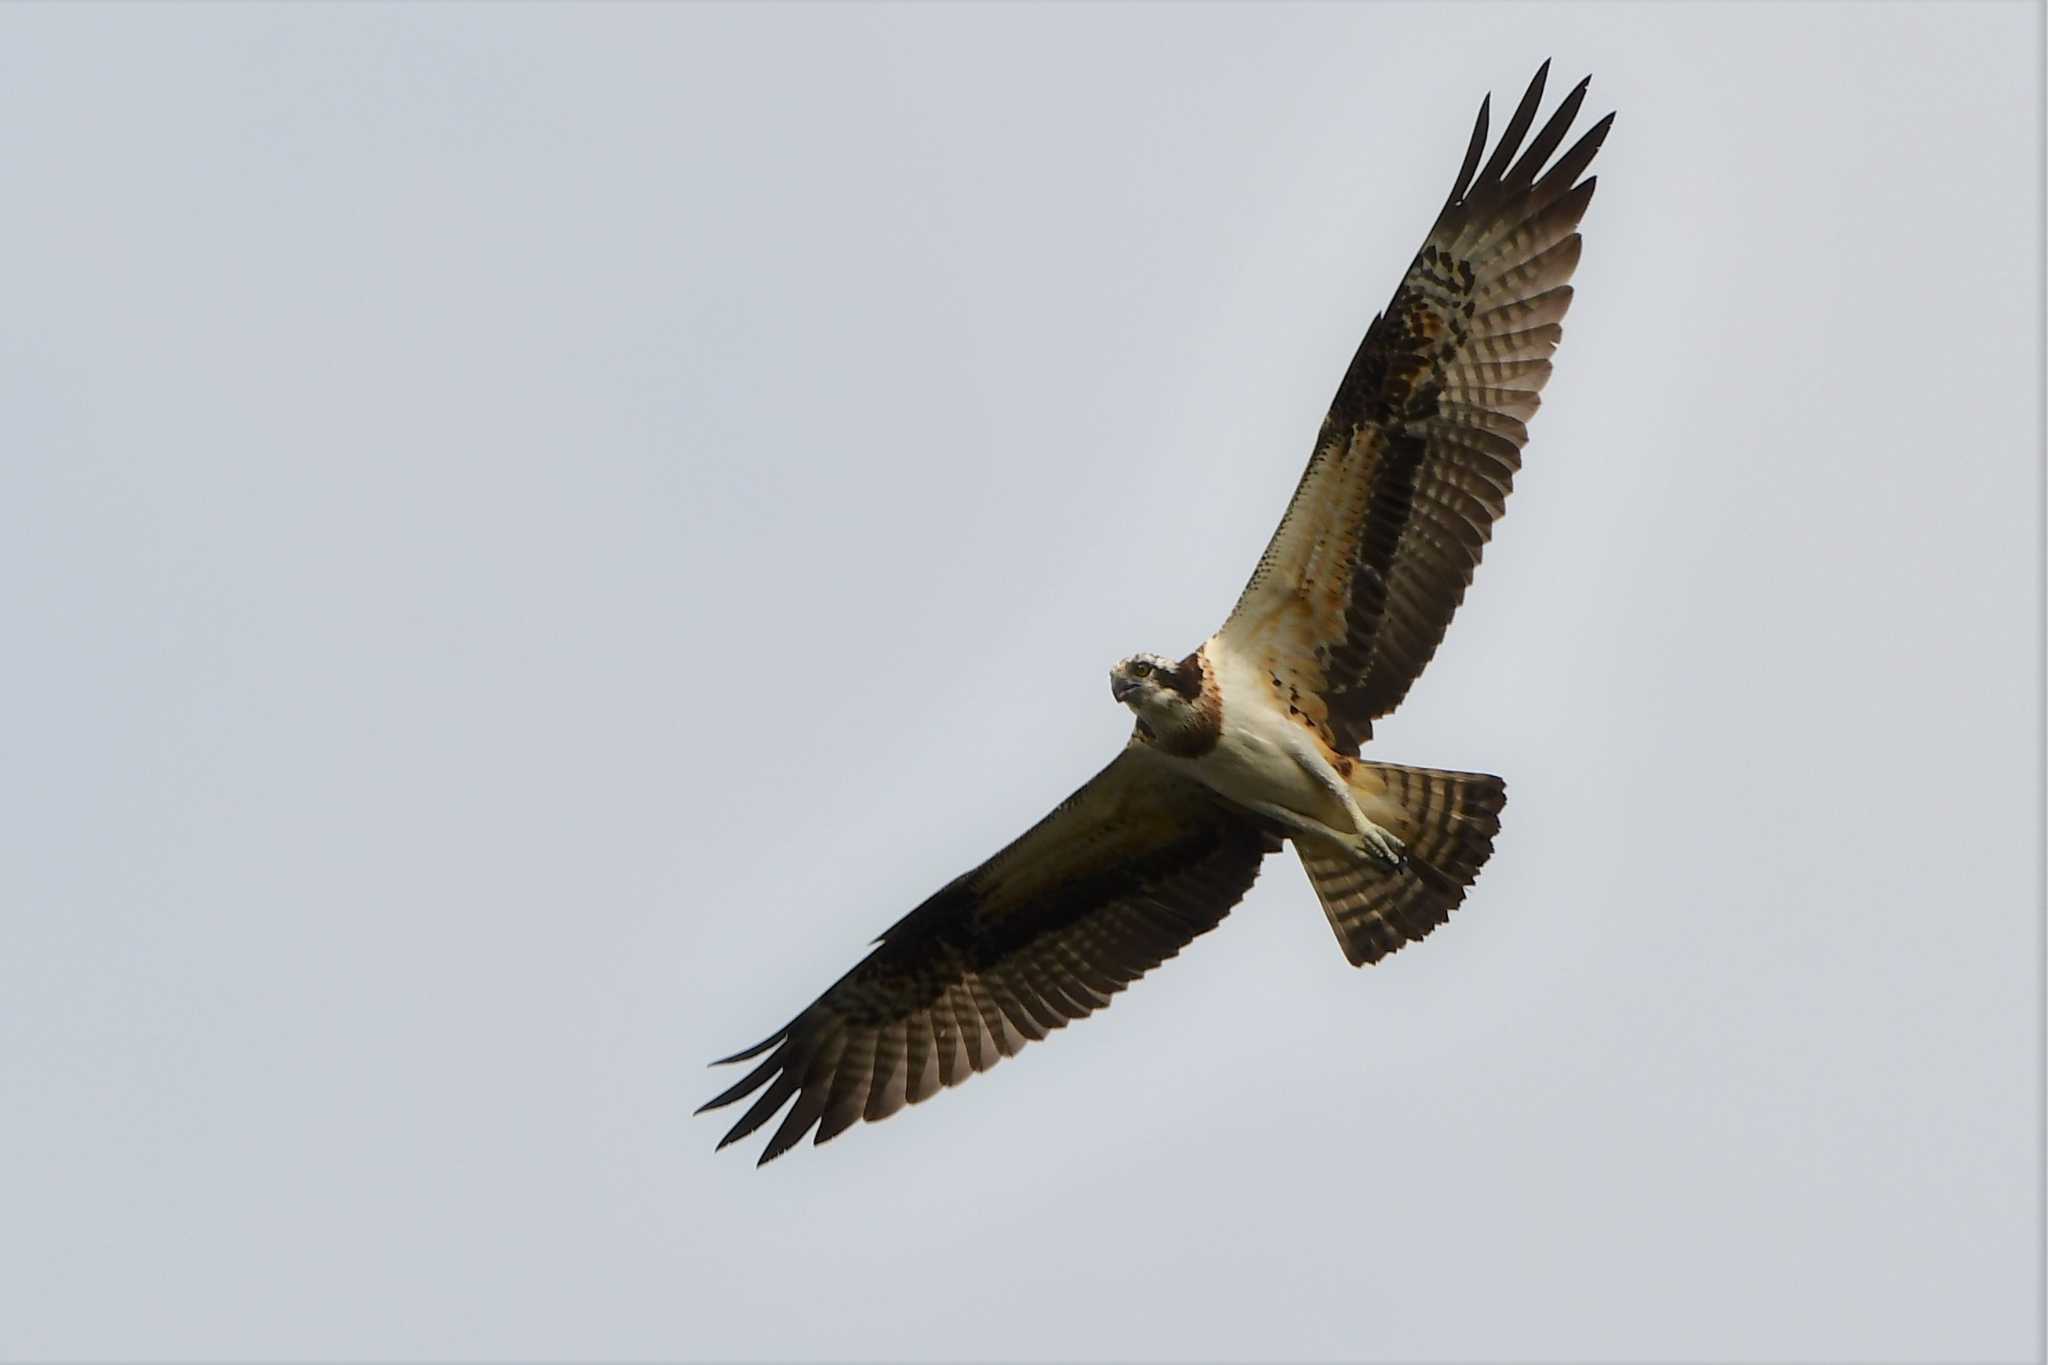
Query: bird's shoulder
(1264, 678)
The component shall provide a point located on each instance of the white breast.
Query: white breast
(1254, 758)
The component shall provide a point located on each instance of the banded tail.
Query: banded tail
(1446, 819)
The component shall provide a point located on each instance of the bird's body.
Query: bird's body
(1261, 756)
(1253, 741)
(1245, 741)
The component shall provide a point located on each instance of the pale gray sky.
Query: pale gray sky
(530, 535)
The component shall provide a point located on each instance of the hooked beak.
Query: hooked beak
(1120, 686)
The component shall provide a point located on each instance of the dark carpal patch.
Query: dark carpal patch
(1121, 876)
(1348, 603)
(1431, 415)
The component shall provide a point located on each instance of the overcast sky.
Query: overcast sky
(528, 535)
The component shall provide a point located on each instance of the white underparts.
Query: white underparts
(1267, 762)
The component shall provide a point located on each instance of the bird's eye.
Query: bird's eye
(1141, 670)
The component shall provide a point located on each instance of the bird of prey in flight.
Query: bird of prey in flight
(1252, 740)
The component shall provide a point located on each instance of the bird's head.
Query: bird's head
(1161, 693)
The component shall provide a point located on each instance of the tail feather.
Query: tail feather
(1446, 819)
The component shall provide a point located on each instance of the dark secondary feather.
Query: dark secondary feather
(1349, 602)
(1117, 879)
(1420, 447)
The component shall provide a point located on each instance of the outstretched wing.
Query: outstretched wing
(1120, 876)
(1422, 442)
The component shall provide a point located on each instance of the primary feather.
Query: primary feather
(1253, 738)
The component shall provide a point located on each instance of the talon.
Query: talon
(1384, 847)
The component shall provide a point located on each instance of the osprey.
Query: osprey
(1253, 739)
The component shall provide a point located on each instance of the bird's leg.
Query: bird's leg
(1298, 824)
(1377, 840)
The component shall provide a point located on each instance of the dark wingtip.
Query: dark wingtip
(1517, 128)
(756, 1050)
(778, 1144)
(1473, 151)
(1596, 136)
(738, 1092)
(721, 1101)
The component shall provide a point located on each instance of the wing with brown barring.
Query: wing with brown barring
(1421, 444)
(1120, 877)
